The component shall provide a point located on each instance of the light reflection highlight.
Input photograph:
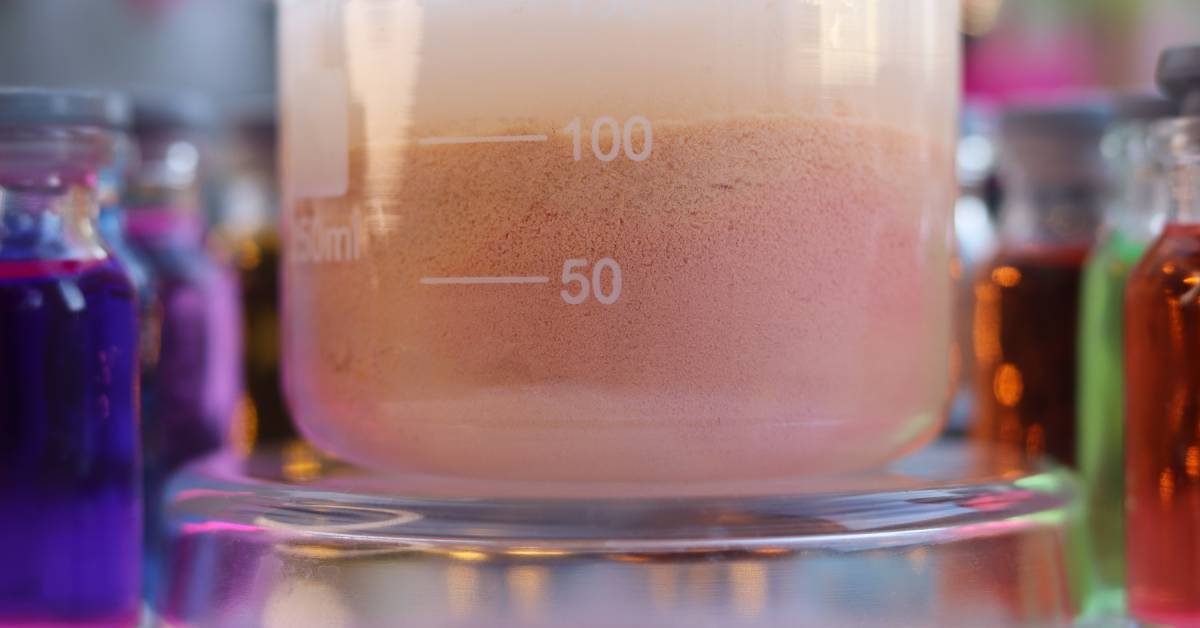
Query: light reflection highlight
(1006, 276)
(749, 588)
(527, 589)
(462, 589)
(1008, 385)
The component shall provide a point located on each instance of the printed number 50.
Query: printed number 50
(586, 289)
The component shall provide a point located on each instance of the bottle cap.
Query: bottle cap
(1178, 77)
(35, 106)
(1057, 122)
(1143, 108)
(172, 112)
(1056, 145)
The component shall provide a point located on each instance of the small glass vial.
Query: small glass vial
(1162, 357)
(1027, 297)
(70, 515)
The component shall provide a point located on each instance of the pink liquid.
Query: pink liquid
(783, 306)
(30, 268)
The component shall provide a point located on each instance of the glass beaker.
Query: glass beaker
(619, 240)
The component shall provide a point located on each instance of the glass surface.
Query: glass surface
(618, 241)
(951, 536)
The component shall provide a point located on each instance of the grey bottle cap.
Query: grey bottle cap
(1178, 77)
(1057, 122)
(35, 106)
(172, 112)
(1143, 108)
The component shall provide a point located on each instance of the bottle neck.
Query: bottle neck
(53, 223)
(1137, 207)
(1177, 145)
(1050, 213)
(1055, 188)
(1183, 192)
(48, 192)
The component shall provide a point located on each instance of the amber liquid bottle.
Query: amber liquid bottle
(1162, 456)
(1027, 298)
(247, 231)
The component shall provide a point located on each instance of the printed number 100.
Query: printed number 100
(622, 138)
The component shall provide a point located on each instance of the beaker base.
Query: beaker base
(952, 535)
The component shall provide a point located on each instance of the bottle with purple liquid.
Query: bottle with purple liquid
(193, 377)
(70, 510)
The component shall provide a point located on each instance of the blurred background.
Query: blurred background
(221, 47)
(1020, 47)
(226, 47)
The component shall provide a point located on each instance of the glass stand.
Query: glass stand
(952, 535)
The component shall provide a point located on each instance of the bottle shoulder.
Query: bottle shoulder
(1171, 266)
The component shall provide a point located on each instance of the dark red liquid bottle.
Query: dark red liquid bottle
(1162, 349)
(1027, 298)
(1026, 304)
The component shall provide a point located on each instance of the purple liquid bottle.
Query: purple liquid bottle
(192, 377)
(70, 509)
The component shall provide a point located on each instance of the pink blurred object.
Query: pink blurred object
(1012, 64)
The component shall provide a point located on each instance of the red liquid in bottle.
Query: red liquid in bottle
(1162, 314)
(1024, 332)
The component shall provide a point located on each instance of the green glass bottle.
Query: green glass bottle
(1133, 219)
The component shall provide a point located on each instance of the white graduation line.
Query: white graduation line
(481, 139)
(469, 281)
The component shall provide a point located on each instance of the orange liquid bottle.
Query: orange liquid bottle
(1162, 348)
